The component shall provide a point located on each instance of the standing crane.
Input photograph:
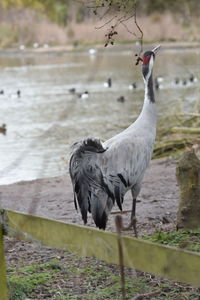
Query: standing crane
(102, 173)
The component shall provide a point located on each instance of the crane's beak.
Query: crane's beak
(156, 49)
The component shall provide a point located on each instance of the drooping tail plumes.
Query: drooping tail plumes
(90, 190)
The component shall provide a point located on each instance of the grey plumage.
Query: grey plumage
(102, 173)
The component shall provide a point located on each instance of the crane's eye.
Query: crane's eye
(146, 59)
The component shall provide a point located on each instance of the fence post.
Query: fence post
(3, 282)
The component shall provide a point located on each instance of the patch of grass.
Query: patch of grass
(53, 264)
(20, 287)
(23, 281)
(187, 239)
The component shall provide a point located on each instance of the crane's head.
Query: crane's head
(147, 63)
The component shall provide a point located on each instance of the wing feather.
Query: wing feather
(90, 190)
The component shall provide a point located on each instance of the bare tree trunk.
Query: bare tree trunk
(188, 177)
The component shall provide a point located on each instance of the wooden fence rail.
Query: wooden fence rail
(169, 262)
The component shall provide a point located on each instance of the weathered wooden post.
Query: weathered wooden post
(3, 283)
(188, 177)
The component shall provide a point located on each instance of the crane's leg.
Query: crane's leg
(133, 218)
(134, 191)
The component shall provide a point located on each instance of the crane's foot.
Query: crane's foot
(131, 225)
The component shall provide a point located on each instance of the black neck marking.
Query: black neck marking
(150, 90)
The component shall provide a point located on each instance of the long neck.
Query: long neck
(149, 92)
(148, 114)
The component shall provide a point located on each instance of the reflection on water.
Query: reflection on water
(47, 118)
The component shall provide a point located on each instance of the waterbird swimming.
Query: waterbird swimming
(3, 129)
(132, 86)
(18, 93)
(177, 80)
(192, 78)
(184, 82)
(72, 91)
(92, 51)
(160, 79)
(108, 83)
(121, 99)
(102, 173)
(84, 95)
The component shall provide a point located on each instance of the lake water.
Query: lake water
(46, 119)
